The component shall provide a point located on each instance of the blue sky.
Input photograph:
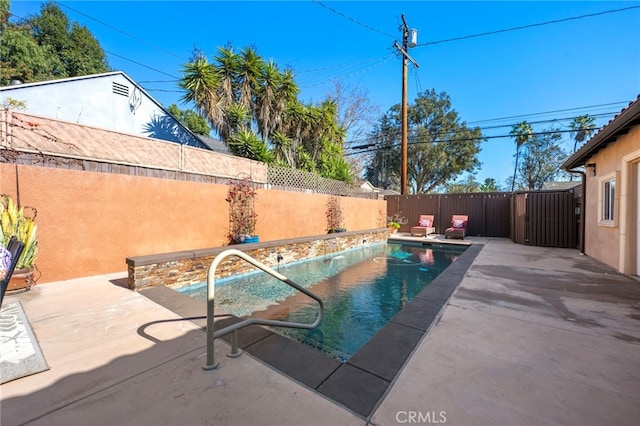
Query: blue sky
(492, 80)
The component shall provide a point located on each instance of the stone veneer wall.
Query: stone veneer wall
(190, 267)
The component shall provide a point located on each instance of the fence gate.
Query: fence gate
(545, 219)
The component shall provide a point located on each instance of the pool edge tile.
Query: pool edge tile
(419, 313)
(300, 362)
(355, 389)
(386, 352)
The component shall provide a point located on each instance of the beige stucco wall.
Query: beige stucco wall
(90, 222)
(614, 245)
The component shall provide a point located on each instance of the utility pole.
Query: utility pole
(405, 56)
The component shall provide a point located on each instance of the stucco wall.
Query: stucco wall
(90, 222)
(604, 242)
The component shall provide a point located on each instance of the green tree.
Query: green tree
(20, 55)
(541, 160)
(85, 56)
(383, 167)
(521, 132)
(242, 93)
(583, 126)
(191, 119)
(466, 186)
(440, 147)
(47, 46)
(247, 144)
(490, 185)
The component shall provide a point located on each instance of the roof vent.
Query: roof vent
(120, 89)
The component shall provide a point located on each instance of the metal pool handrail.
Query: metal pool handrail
(211, 335)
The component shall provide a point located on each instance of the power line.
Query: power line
(323, 80)
(142, 65)
(352, 20)
(129, 35)
(522, 27)
(163, 90)
(332, 67)
(158, 81)
(121, 31)
(602, 114)
(547, 112)
(372, 148)
(394, 132)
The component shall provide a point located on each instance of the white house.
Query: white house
(111, 101)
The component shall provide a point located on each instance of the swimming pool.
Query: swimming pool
(362, 290)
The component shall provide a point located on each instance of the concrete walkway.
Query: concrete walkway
(532, 336)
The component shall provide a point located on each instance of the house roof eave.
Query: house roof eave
(108, 74)
(618, 126)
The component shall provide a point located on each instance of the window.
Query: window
(608, 199)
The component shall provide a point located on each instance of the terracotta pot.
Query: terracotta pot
(393, 230)
(22, 279)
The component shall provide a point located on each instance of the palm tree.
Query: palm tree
(249, 74)
(266, 117)
(227, 68)
(277, 89)
(247, 144)
(583, 126)
(242, 93)
(238, 118)
(294, 121)
(199, 80)
(282, 149)
(522, 133)
(210, 87)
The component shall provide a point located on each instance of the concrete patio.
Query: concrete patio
(532, 336)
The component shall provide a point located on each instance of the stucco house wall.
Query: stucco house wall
(110, 101)
(612, 155)
(603, 242)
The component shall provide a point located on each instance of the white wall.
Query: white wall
(91, 101)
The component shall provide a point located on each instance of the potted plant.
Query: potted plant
(395, 222)
(15, 222)
(242, 217)
(334, 216)
(393, 227)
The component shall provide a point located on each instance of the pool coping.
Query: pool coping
(360, 383)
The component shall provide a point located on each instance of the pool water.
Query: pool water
(362, 289)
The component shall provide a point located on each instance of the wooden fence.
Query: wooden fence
(541, 218)
(546, 219)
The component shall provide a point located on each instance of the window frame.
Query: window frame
(608, 203)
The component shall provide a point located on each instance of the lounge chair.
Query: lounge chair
(15, 248)
(424, 227)
(458, 227)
